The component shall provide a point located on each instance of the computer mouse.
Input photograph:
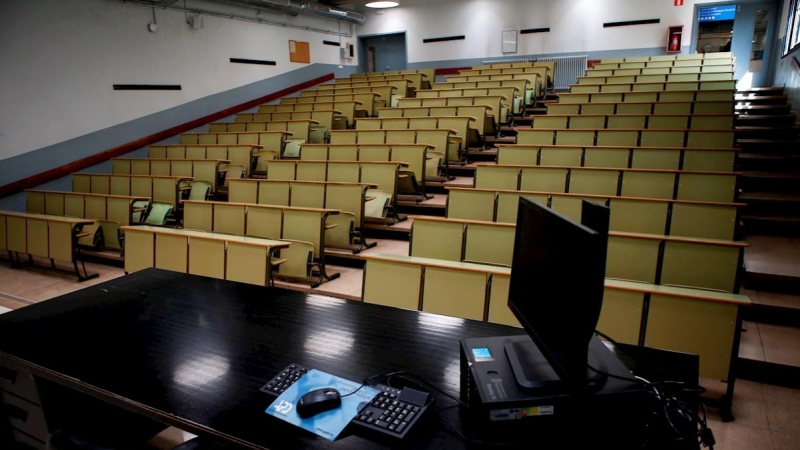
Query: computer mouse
(318, 401)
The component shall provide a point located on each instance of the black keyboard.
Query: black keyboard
(392, 412)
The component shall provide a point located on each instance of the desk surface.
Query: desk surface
(193, 352)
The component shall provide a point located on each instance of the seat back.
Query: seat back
(200, 190)
(158, 214)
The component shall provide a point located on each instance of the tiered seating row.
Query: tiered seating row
(240, 155)
(680, 319)
(346, 108)
(222, 256)
(208, 170)
(647, 258)
(646, 107)
(642, 183)
(305, 228)
(704, 220)
(45, 236)
(365, 102)
(109, 211)
(353, 201)
(640, 121)
(668, 158)
(689, 138)
(615, 84)
(298, 129)
(164, 189)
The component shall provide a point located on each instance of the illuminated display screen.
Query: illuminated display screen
(717, 13)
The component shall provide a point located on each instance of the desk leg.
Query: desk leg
(362, 242)
(75, 254)
(270, 279)
(323, 275)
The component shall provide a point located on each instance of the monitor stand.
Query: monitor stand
(533, 373)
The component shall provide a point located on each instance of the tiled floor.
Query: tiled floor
(767, 417)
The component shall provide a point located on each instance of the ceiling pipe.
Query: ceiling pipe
(297, 7)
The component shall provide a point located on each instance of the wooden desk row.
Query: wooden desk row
(649, 258)
(164, 189)
(688, 320)
(45, 236)
(602, 137)
(241, 155)
(705, 220)
(666, 158)
(643, 183)
(236, 258)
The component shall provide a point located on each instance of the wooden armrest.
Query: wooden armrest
(139, 209)
(333, 225)
(83, 235)
(369, 199)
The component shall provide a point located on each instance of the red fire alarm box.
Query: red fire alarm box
(674, 36)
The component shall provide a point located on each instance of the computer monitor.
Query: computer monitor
(556, 291)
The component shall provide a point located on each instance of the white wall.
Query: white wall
(60, 59)
(576, 26)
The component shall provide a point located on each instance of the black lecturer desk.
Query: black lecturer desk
(192, 352)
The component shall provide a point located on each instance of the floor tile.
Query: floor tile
(780, 344)
(783, 409)
(736, 436)
(21, 280)
(750, 346)
(784, 441)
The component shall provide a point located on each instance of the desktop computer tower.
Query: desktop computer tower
(608, 412)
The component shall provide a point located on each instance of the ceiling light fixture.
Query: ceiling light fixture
(382, 5)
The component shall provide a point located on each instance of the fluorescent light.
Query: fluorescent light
(381, 5)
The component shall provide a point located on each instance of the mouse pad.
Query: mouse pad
(329, 423)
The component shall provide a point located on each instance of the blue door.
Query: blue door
(384, 52)
(747, 29)
(752, 43)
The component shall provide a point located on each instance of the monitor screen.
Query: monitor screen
(557, 278)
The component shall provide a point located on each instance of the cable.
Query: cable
(669, 405)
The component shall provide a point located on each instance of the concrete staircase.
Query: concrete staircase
(770, 162)
(767, 134)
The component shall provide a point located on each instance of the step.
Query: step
(762, 109)
(785, 133)
(768, 145)
(772, 263)
(768, 204)
(768, 161)
(761, 99)
(786, 120)
(769, 90)
(770, 181)
(774, 225)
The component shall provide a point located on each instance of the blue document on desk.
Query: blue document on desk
(329, 423)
